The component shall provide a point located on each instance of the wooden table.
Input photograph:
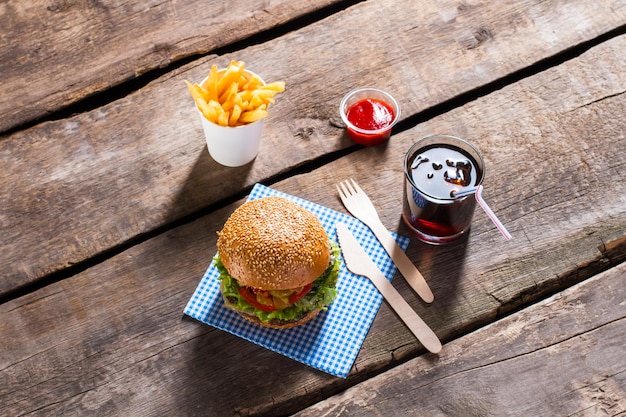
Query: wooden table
(111, 203)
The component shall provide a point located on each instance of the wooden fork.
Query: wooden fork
(361, 207)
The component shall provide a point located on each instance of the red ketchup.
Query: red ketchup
(373, 115)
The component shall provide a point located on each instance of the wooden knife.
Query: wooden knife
(358, 262)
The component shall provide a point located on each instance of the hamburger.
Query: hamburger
(278, 268)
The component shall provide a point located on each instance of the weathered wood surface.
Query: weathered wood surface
(53, 54)
(110, 340)
(561, 357)
(75, 188)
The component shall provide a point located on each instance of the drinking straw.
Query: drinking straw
(478, 193)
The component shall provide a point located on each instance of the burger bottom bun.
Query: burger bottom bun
(277, 324)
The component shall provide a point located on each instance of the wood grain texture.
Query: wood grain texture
(110, 340)
(75, 188)
(54, 54)
(561, 357)
(43, 45)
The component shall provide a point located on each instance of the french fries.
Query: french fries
(232, 96)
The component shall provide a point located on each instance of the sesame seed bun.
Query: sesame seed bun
(273, 244)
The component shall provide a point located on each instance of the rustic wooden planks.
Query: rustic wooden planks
(563, 356)
(110, 340)
(75, 188)
(53, 55)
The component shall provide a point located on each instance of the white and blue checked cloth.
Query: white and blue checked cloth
(331, 341)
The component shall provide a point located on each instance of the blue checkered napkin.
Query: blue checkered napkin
(332, 340)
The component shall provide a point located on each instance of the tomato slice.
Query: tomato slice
(250, 297)
(296, 296)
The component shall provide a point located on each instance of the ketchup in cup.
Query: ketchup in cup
(369, 114)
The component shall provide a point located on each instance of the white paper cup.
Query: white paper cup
(232, 146)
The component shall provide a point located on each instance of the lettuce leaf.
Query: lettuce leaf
(321, 295)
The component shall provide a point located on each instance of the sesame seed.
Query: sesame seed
(273, 243)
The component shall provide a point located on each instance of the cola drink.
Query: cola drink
(435, 169)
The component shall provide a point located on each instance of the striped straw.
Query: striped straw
(478, 193)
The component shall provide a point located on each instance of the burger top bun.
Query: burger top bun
(273, 244)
